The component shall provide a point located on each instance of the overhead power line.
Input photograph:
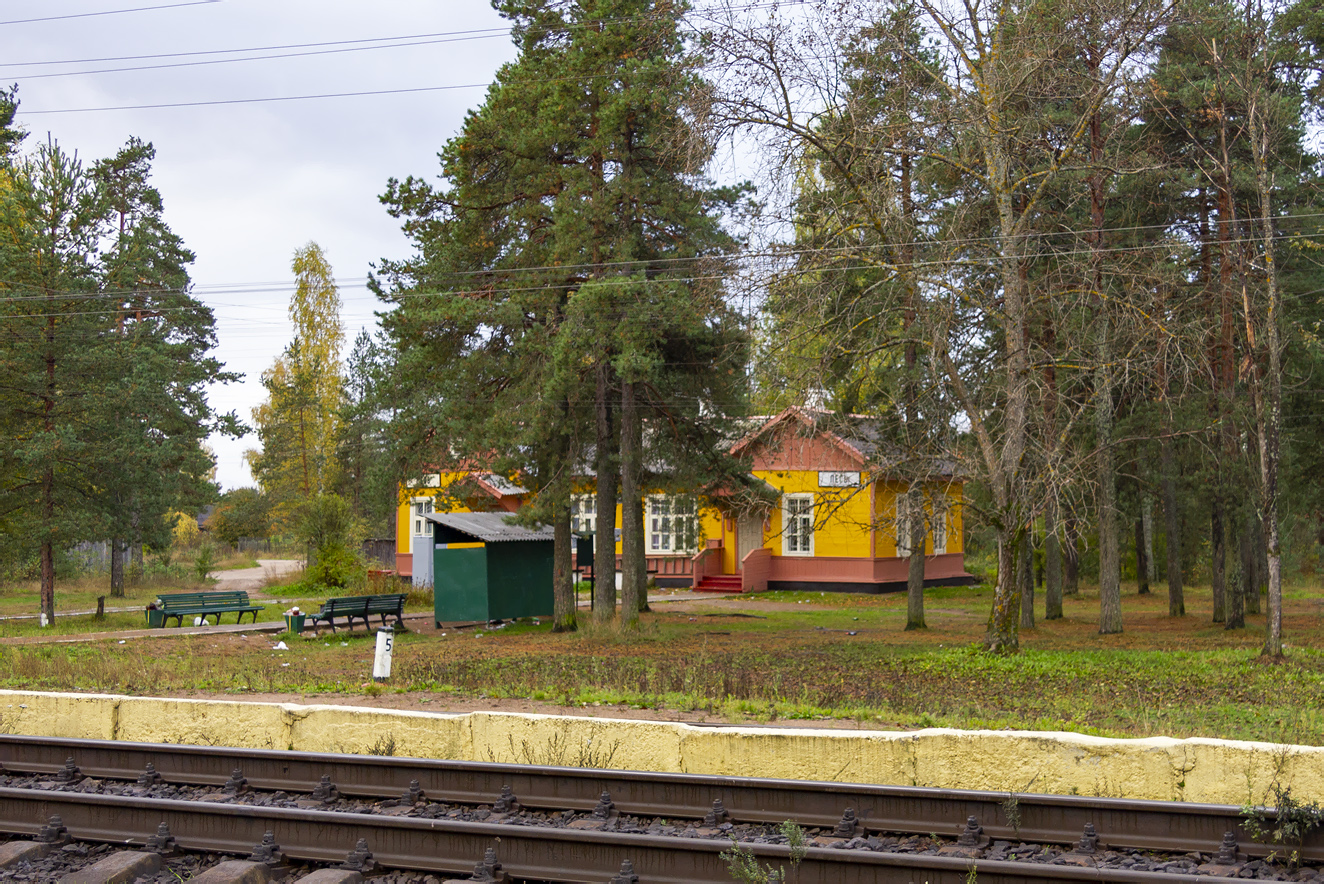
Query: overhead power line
(475, 33)
(440, 37)
(123, 107)
(211, 61)
(676, 265)
(27, 21)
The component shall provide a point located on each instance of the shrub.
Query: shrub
(205, 561)
(337, 567)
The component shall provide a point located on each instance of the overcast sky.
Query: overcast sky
(246, 184)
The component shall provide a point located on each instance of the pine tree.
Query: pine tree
(103, 357)
(547, 293)
(161, 336)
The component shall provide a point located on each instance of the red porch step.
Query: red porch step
(719, 583)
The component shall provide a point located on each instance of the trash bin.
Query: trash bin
(294, 622)
(155, 618)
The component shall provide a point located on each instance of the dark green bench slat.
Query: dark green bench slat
(179, 605)
(362, 607)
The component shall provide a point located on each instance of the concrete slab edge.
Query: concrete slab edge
(1163, 768)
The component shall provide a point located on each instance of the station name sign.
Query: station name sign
(838, 479)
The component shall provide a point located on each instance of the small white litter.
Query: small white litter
(281, 646)
(197, 621)
(121, 641)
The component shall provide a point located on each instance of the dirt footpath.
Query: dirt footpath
(253, 579)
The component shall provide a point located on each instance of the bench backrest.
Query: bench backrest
(370, 603)
(190, 599)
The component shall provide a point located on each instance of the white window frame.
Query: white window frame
(939, 506)
(418, 508)
(903, 525)
(796, 541)
(668, 530)
(583, 513)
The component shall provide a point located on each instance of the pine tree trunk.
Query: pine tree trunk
(116, 568)
(915, 573)
(1235, 582)
(1110, 587)
(1218, 557)
(1071, 558)
(1269, 402)
(1172, 529)
(1025, 569)
(1052, 565)
(48, 581)
(604, 541)
(1147, 516)
(634, 566)
(1147, 521)
(1142, 562)
(1250, 583)
(564, 603)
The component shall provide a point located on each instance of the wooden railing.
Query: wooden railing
(705, 562)
(754, 570)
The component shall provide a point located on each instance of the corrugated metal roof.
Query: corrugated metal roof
(505, 486)
(489, 527)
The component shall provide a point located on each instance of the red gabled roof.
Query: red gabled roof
(802, 417)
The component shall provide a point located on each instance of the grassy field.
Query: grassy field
(783, 656)
(80, 593)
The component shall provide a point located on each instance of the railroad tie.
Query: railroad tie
(332, 876)
(128, 865)
(234, 871)
(14, 852)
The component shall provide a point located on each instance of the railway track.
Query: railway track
(534, 850)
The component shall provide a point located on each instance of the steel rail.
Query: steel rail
(1050, 819)
(526, 852)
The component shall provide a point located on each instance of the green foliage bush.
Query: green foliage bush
(336, 567)
(328, 525)
(204, 563)
(243, 512)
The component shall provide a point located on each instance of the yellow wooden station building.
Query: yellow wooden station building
(830, 518)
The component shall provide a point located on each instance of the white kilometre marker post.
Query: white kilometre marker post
(381, 661)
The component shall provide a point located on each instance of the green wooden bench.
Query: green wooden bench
(361, 607)
(179, 605)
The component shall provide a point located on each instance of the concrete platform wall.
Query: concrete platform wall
(1216, 771)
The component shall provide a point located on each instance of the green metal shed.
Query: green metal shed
(486, 569)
